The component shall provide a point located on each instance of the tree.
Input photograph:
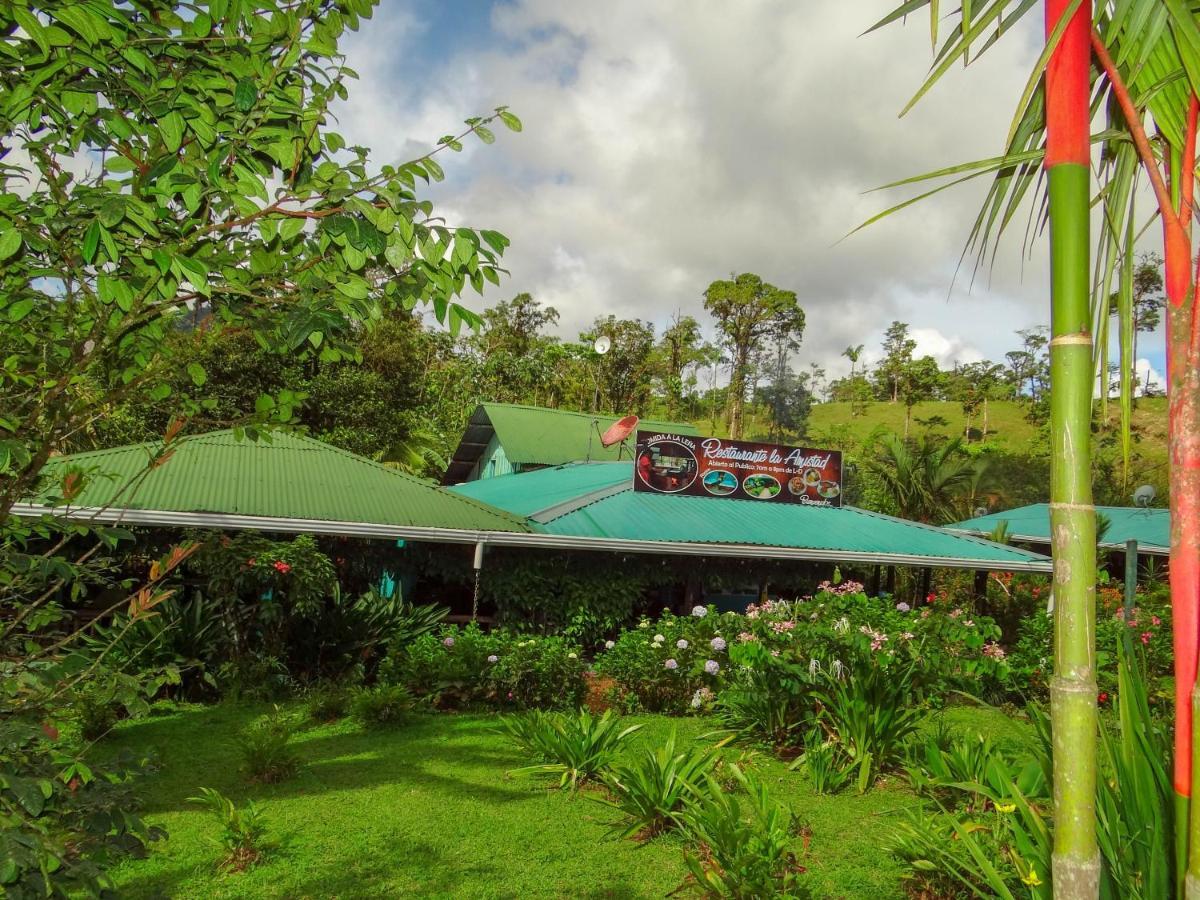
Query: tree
(790, 401)
(853, 354)
(1145, 310)
(623, 374)
(681, 351)
(748, 310)
(515, 326)
(919, 380)
(1052, 127)
(170, 177)
(898, 349)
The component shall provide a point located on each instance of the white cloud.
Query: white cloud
(669, 144)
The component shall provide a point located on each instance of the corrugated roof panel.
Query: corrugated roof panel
(290, 477)
(1151, 528)
(532, 435)
(656, 517)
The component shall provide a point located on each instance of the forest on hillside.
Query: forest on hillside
(973, 434)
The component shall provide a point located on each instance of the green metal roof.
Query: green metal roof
(285, 476)
(598, 501)
(536, 436)
(1151, 528)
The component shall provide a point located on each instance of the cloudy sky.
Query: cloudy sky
(670, 143)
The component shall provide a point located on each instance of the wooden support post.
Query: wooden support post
(926, 582)
(891, 581)
(981, 583)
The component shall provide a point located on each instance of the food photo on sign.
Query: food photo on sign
(719, 467)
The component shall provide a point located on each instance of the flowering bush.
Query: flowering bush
(664, 667)
(1148, 623)
(461, 666)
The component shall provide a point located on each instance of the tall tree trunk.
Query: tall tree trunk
(983, 436)
(1076, 858)
(737, 391)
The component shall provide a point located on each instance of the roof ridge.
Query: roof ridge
(577, 412)
(413, 479)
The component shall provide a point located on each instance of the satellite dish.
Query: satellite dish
(980, 511)
(618, 431)
(1144, 496)
(603, 344)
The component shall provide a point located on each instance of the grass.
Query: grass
(427, 810)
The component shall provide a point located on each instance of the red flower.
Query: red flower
(1102, 697)
(250, 561)
(930, 597)
(1146, 637)
(73, 785)
(50, 731)
(281, 567)
(1155, 620)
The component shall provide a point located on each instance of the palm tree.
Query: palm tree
(1144, 89)
(852, 354)
(928, 481)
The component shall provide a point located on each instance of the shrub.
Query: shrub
(771, 701)
(97, 711)
(330, 702)
(664, 664)
(461, 666)
(386, 704)
(267, 754)
(650, 791)
(257, 677)
(242, 830)
(743, 856)
(578, 747)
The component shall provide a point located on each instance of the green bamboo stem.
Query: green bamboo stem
(1076, 859)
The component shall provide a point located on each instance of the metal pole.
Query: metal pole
(478, 565)
(1131, 564)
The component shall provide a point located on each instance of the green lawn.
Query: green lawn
(427, 810)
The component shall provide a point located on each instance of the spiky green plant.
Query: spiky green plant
(578, 747)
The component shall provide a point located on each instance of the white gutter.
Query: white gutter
(225, 521)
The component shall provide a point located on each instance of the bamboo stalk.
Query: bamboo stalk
(1076, 857)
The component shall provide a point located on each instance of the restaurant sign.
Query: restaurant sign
(743, 470)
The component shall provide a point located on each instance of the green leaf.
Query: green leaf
(171, 127)
(160, 391)
(511, 121)
(112, 211)
(20, 309)
(485, 134)
(91, 242)
(197, 373)
(245, 95)
(434, 170)
(10, 242)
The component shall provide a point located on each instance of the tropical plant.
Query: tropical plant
(871, 714)
(744, 852)
(925, 481)
(769, 703)
(578, 746)
(266, 747)
(825, 762)
(384, 704)
(652, 789)
(242, 830)
(1052, 127)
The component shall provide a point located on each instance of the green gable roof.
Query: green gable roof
(1151, 528)
(285, 476)
(598, 501)
(535, 436)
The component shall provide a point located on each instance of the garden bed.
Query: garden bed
(426, 809)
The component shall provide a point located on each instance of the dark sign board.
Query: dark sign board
(744, 470)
